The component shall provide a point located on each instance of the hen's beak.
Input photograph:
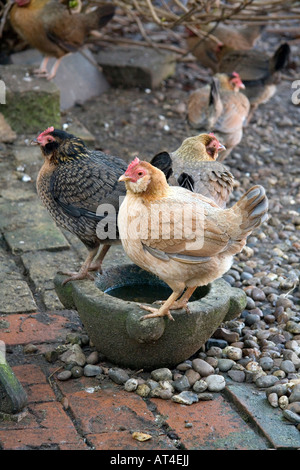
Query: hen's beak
(124, 178)
(221, 147)
(34, 142)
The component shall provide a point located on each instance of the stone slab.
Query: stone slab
(31, 103)
(77, 78)
(79, 130)
(269, 420)
(8, 268)
(27, 226)
(42, 266)
(142, 67)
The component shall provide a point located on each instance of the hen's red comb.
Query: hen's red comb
(235, 74)
(133, 164)
(46, 132)
(212, 134)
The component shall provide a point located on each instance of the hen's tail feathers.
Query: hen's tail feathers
(99, 18)
(214, 95)
(280, 57)
(254, 207)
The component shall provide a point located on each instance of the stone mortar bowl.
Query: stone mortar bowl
(114, 324)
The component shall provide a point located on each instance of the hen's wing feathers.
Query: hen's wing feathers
(98, 185)
(211, 179)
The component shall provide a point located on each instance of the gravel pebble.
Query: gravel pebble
(237, 375)
(118, 375)
(295, 394)
(161, 374)
(131, 385)
(200, 386)
(202, 367)
(185, 398)
(273, 399)
(225, 364)
(91, 370)
(266, 381)
(181, 384)
(64, 375)
(143, 390)
(215, 383)
(233, 353)
(291, 416)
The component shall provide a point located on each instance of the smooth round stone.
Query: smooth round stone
(237, 375)
(200, 386)
(152, 384)
(295, 395)
(283, 402)
(293, 327)
(181, 384)
(216, 351)
(279, 389)
(77, 371)
(90, 370)
(250, 303)
(294, 407)
(143, 390)
(287, 367)
(131, 385)
(258, 294)
(205, 396)
(64, 375)
(161, 374)
(161, 393)
(225, 364)
(251, 318)
(202, 367)
(184, 366)
(93, 358)
(273, 399)
(233, 353)
(265, 381)
(291, 416)
(192, 376)
(215, 383)
(119, 376)
(266, 363)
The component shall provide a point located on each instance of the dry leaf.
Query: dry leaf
(141, 436)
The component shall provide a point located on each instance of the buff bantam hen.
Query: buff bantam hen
(182, 237)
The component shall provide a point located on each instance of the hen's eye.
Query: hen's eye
(49, 139)
(140, 173)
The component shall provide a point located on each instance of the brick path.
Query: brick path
(84, 413)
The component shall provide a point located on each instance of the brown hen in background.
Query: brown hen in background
(221, 108)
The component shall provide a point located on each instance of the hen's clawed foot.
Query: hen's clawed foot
(155, 312)
(76, 276)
